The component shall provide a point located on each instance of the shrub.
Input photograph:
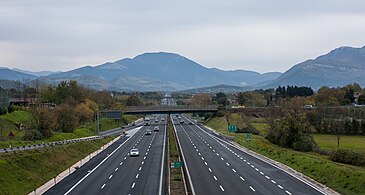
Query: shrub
(220, 113)
(348, 157)
(249, 129)
(304, 143)
(32, 134)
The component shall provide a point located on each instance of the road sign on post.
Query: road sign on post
(176, 165)
(248, 136)
(232, 128)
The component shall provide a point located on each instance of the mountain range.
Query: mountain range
(158, 72)
(170, 72)
(339, 67)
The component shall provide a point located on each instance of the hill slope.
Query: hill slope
(339, 67)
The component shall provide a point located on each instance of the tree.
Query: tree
(84, 113)
(133, 101)
(201, 99)
(221, 98)
(290, 132)
(349, 96)
(43, 120)
(66, 119)
(361, 100)
(241, 98)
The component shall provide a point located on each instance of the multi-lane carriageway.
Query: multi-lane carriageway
(213, 166)
(218, 167)
(118, 173)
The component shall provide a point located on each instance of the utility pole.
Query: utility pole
(98, 117)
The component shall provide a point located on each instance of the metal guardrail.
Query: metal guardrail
(49, 144)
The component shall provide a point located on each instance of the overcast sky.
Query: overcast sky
(259, 35)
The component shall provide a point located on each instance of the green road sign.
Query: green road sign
(248, 136)
(232, 128)
(176, 165)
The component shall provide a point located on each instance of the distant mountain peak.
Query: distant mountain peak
(339, 67)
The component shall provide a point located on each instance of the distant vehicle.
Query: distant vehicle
(134, 152)
(146, 119)
(163, 119)
(156, 129)
(148, 132)
(156, 120)
(182, 122)
(147, 124)
(190, 123)
(308, 106)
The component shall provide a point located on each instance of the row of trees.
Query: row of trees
(292, 91)
(64, 107)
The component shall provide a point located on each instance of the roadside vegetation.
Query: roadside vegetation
(346, 179)
(23, 171)
(176, 178)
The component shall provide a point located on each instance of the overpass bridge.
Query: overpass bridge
(168, 109)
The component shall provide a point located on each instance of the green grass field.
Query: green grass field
(346, 179)
(263, 128)
(22, 172)
(329, 142)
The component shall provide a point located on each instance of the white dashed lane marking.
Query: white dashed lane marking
(103, 186)
(252, 188)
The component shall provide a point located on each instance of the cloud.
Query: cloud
(253, 34)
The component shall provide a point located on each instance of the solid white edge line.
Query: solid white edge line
(185, 164)
(162, 161)
(242, 150)
(97, 166)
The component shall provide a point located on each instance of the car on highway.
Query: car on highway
(148, 132)
(182, 122)
(163, 119)
(156, 120)
(147, 124)
(156, 129)
(134, 152)
(190, 123)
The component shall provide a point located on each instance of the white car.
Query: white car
(148, 132)
(134, 152)
(156, 129)
(163, 119)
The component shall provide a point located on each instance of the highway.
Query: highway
(216, 167)
(116, 172)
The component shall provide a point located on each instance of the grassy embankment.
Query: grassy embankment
(11, 121)
(22, 172)
(345, 179)
(329, 142)
(176, 181)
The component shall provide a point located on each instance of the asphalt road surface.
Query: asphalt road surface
(216, 167)
(114, 171)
